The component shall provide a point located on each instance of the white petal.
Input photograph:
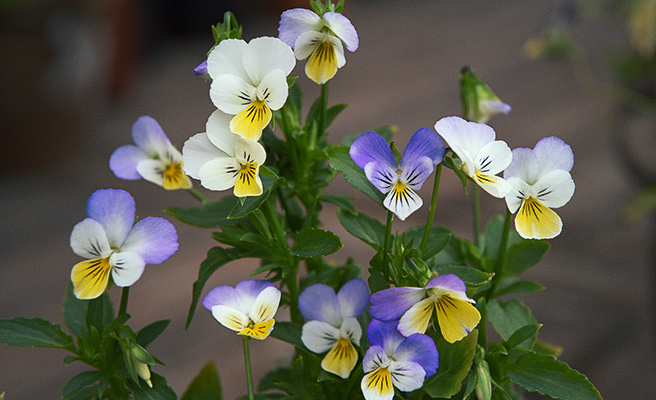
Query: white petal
(351, 329)
(231, 94)
(296, 21)
(493, 158)
(339, 51)
(266, 305)
(402, 201)
(219, 174)
(463, 137)
(555, 188)
(319, 336)
(249, 151)
(127, 268)
(520, 190)
(494, 185)
(524, 165)
(553, 154)
(227, 58)
(306, 44)
(152, 171)
(89, 240)
(196, 151)
(407, 375)
(230, 318)
(273, 89)
(266, 54)
(218, 132)
(343, 28)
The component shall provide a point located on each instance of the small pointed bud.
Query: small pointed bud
(479, 102)
(201, 69)
(144, 372)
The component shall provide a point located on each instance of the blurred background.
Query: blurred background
(75, 75)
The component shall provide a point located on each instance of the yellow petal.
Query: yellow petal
(537, 221)
(456, 317)
(248, 181)
(322, 64)
(377, 384)
(341, 359)
(90, 278)
(174, 177)
(258, 331)
(416, 319)
(250, 122)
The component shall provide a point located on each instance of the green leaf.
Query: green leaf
(438, 238)
(513, 285)
(160, 390)
(79, 382)
(523, 255)
(216, 258)
(341, 161)
(251, 203)
(472, 277)
(339, 200)
(74, 312)
(332, 113)
(205, 386)
(492, 237)
(100, 312)
(455, 362)
(210, 215)
(544, 374)
(315, 242)
(521, 335)
(288, 332)
(35, 332)
(363, 227)
(147, 334)
(507, 317)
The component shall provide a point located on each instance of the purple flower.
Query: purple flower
(396, 361)
(110, 242)
(399, 180)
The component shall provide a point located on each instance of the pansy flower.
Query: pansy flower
(249, 80)
(445, 294)
(322, 39)
(482, 157)
(400, 180)
(247, 309)
(332, 325)
(113, 243)
(222, 160)
(153, 158)
(395, 361)
(541, 181)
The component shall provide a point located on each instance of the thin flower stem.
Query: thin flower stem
(122, 309)
(476, 207)
(387, 246)
(249, 373)
(501, 258)
(431, 210)
(197, 195)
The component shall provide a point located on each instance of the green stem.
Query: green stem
(197, 195)
(122, 309)
(249, 373)
(387, 246)
(431, 210)
(476, 207)
(501, 258)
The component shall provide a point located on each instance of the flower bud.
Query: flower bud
(479, 103)
(143, 371)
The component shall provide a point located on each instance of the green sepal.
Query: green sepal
(205, 386)
(455, 361)
(341, 161)
(209, 215)
(314, 242)
(34, 332)
(454, 163)
(368, 229)
(483, 377)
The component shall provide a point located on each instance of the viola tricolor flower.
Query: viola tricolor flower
(400, 180)
(221, 160)
(247, 309)
(395, 361)
(110, 242)
(482, 157)
(541, 181)
(153, 158)
(322, 39)
(445, 294)
(249, 80)
(332, 325)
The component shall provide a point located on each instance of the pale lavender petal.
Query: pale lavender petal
(391, 303)
(424, 143)
(153, 238)
(448, 282)
(407, 375)
(374, 357)
(553, 154)
(353, 298)
(201, 69)
(384, 334)
(222, 295)
(371, 147)
(114, 210)
(251, 288)
(319, 302)
(421, 349)
(89, 240)
(127, 268)
(342, 27)
(124, 160)
(382, 175)
(296, 21)
(149, 136)
(416, 172)
(524, 165)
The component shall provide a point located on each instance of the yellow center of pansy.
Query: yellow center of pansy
(248, 183)
(174, 177)
(322, 64)
(250, 122)
(258, 331)
(341, 359)
(537, 221)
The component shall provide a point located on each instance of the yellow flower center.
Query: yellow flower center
(379, 382)
(250, 122)
(174, 177)
(322, 64)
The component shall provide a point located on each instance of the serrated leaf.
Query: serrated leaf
(509, 316)
(34, 332)
(455, 362)
(341, 161)
(544, 374)
(210, 215)
(79, 382)
(523, 255)
(147, 334)
(363, 227)
(205, 386)
(315, 242)
(288, 332)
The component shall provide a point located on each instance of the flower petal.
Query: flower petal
(265, 305)
(553, 154)
(375, 357)
(377, 385)
(327, 57)
(391, 303)
(231, 318)
(149, 136)
(524, 165)
(231, 94)
(273, 89)
(296, 21)
(342, 27)
(90, 278)
(219, 134)
(384, 334)
(420, 349)
(464, 138)
(416, 319)
(250, 122)
(416, 172)
(318, 336)
(115, 210)
(227, 58)
(449, 282)
(219, 174)
(197, 151)
(124, 160)
(381, 175)
(555, 188)
(307, 43)
(456, 317)
(266, 54)
(248, 182)
(371, 147)
(260, 330)
(319, 302)
(127, 268)
(154, 239)
(402, 200)
(353, 298)
(407, 375)
(89, 240)
(152, 170)
(224, 295)
(248, 292)
(493, 158)
(423, 143)
(520, 190)
(341, 358)
(494, 185)
(534, 220)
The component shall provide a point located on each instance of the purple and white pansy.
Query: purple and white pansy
(395, 361)
(112, 243)
(399, 180)
(332, 323)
